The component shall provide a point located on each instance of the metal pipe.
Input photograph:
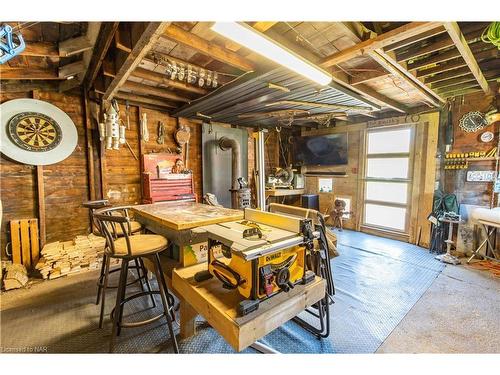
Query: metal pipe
(261, 173)
(226, 143)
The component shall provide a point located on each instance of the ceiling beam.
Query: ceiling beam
(41, 49)
(463, 47)
(28, 73)
(352, 30)
(457, 63)
(106, 34)
(367, 76)
(162, 79)
(145, 39)
(370, 45)
(144, 99)
(179, 35)
(417, 38)
(388, 61)
(156, 91)
(74, 46)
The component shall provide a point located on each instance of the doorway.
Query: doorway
(388, 181)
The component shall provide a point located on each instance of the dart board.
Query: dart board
(36, 132)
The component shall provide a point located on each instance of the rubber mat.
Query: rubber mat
(377, 282)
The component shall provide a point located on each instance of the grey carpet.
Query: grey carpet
(377, 282)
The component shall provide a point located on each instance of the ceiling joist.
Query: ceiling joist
(219, 53)
(145, 38)
(463, 47)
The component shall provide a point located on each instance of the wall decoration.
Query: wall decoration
(325, 185)
(487, 137)
(473, 121)
(11, 43)
(111, 130)
(36, 132)
(480, 176)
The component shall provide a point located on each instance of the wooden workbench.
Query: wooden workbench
(283, 192)
(218, 306)
(178, 221)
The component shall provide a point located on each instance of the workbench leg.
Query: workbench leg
(188, 320)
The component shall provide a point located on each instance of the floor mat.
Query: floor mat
(377, 282)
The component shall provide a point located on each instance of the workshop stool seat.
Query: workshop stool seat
(129, 248)
(135, 227)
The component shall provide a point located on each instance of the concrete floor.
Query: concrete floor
(457, 314)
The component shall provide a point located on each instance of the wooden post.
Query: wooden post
(40, 193)
(141, 147)
(41, 204)
(102, 162)
(90, 147)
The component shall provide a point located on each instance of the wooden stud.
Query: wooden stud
(41, 204)
(123, 38)
(179, 35)
(90, 146)
(461, 43)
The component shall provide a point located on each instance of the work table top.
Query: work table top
(186, 215)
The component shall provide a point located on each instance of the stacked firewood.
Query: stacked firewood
(66, 258)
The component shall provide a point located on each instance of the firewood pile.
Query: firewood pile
(16, 275)
(69, 257)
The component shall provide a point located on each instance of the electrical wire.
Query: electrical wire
(492, 34)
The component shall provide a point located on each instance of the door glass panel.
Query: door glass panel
(394, 192)
(385, 216)
(386, 142)
(387, 167)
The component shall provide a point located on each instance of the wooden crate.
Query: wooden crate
(25, 242)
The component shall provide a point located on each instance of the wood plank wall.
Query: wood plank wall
(455, 181)
(66, 183)
(352, 186)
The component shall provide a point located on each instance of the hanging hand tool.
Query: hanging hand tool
(127, 107)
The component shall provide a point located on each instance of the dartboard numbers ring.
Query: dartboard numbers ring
(34, 131)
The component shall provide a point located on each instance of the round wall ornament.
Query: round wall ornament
(36, 132)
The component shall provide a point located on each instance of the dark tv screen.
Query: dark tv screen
(328, 149)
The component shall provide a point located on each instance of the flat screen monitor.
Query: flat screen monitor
(328, 149)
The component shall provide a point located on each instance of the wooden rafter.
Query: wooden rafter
(156, 91)
(133, 98)
(463, 47)
(219, 53)
(370, 45)
(104, 40)
(162, 79)
(144, 42)
(417, 38)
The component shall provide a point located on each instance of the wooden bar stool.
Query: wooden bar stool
(129, 248)
(135, 227)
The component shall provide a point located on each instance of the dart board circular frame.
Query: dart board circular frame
(38, 137)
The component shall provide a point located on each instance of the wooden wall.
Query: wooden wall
(116, 175)
(352, 185)
(455, 181)
(65, 182)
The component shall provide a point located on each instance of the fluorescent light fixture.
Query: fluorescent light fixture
(249, 37)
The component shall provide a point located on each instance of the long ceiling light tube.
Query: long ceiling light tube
(250, 38)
